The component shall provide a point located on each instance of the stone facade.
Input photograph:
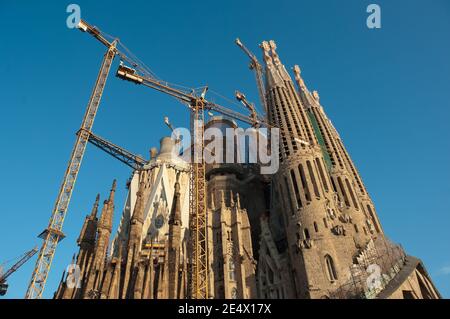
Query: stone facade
(309, 231)
(321, 216)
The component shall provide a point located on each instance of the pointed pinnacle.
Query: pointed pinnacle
(266, 50)
(113, 191)
(238, 200)
(95, 207)
(213, 204)
(222, 198)
(299, 79)
(275, 56)
(177, 184)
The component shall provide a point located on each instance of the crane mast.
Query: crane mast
(197, 207)
(53, 233)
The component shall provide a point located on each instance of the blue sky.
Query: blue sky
(387, 92)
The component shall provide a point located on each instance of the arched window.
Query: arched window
(316, 227)
(297, 192)
(331, 270)
(231, 270)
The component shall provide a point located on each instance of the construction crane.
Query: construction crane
(22, 260)
(250, 106)
(197, 192)
(255, 66)
(53, 234)
(136, 162)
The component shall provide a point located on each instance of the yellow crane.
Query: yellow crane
(197, 191)
(259, 73)
(53, 234)
(4, 275)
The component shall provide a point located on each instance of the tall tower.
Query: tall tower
(104, 229)
(346, 181)
(322, 220)
(235, 200)
(328, 236)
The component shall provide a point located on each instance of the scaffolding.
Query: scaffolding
(375, 267)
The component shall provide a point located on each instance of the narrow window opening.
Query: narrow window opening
(313, 179)
(316, 227)
(304, 183)
(344, 193)
(296, 190)
(373, 218)
(334, 186)
(355, 204)
(306, 233)
(331, 271)
(288, 195)
(322, 175)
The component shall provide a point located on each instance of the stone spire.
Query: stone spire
(106, 218)
(273, 78)
(276, 59)
(95, 207)
(104, 228)
(238, 201)
(213, 203)
(301, 178)
(174, 242)
(138, 214)
(345, 179)
(87, 234)
(175, 215)
(134, 240)
(222, 199)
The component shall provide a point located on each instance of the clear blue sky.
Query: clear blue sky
(387, 92)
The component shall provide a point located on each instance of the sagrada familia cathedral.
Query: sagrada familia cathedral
(309, 231)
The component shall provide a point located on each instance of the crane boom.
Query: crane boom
(136, 162)
(25, 257)
(256, 66)
(188, 98)
(53, 233)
